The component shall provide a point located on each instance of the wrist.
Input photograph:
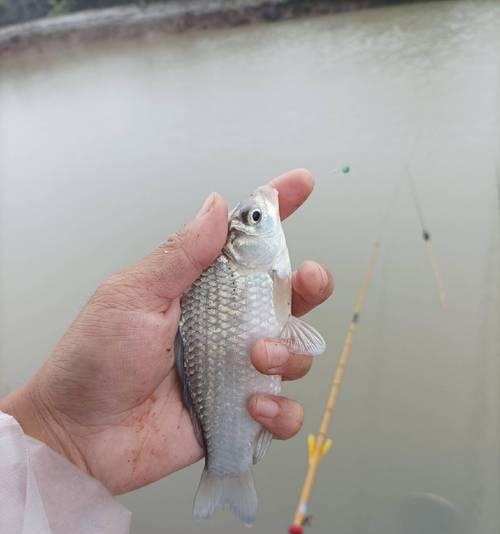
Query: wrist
(38, 421)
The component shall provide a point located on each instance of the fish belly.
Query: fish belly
(223, 314)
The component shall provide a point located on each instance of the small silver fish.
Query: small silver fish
(243, 296)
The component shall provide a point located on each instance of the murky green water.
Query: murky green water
(106, 149)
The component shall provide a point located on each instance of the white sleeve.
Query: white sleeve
(42, 493)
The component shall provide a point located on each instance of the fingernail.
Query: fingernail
(277, 355)
(324, 277)
(266, 407)
(207, 205)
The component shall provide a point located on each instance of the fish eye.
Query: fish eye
(255, 216)
(251, 216)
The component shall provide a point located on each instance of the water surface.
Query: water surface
(106, 149)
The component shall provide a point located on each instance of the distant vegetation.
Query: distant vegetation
(58, 7)
(14, 11)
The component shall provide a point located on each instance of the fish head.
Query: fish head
(256, 237)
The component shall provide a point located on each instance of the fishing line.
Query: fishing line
(382, 224)
(425, 233)
(426, 236)
(498, 189)
(483, 418)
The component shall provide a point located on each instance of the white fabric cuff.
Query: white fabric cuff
(42, 493)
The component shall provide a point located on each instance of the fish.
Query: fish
(244, 295)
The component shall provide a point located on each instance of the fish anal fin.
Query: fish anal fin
(262, 443)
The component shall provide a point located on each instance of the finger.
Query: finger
(271, 357)
(174, 266)
(293, 188)
(281, 416)
(312, 284)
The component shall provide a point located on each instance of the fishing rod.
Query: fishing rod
(426, 236)
(320, 445)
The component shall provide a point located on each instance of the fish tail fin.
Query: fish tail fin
(215, 491)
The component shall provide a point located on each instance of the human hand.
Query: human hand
(109, 398)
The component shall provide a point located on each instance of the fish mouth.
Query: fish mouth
(232, 213)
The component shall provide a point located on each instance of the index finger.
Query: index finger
(293, 187)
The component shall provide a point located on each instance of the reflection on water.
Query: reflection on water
(425, 514)
(106, 149)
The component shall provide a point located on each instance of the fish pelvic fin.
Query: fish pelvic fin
(302, 338)
(216, 491)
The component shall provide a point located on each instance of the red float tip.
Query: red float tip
(295, 529)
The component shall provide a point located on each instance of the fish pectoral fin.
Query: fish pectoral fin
(262, 443)
(302, 338)
(186, 396)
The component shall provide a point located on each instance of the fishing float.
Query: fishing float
(345, 169)
(319, 446)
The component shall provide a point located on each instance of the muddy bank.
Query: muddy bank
(175, 16)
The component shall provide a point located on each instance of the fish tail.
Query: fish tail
(215, 491)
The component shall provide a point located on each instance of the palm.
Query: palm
(131, 400)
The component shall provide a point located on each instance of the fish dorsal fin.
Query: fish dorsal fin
(186, 396)
(302, 338)
(262, 443)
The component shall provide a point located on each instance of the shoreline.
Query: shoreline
(171, 17)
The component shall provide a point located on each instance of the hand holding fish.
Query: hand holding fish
(109, 398)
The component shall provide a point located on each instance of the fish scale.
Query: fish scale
(223, 314)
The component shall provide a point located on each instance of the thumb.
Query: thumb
(175, 265)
